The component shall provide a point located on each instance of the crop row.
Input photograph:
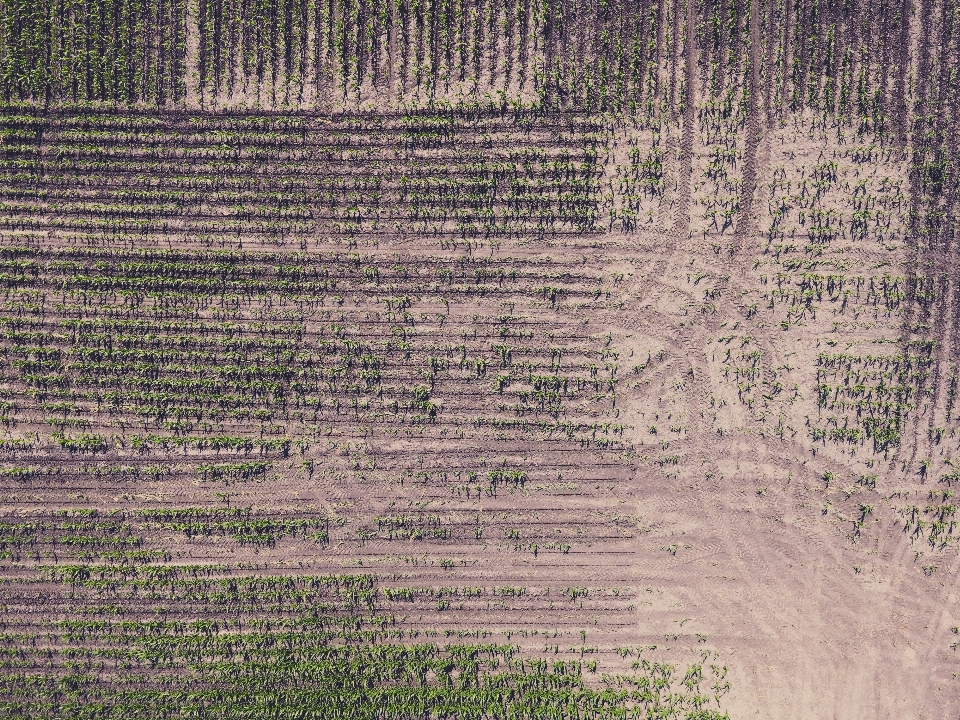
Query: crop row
(587, 55)
(63, 179)
(122, 638)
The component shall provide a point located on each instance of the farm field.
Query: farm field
(438, 359)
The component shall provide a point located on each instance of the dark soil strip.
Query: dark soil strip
(943, 242)
(752, 141)
(682, 224)
(899, 99)
(769, 65)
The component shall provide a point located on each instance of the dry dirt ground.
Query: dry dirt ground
(715, 496)
(606, 391)
(599, 342)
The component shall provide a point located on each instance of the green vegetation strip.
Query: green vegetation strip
(299, 647)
